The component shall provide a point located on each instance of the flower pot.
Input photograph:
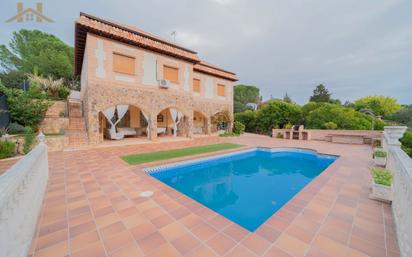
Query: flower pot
(379, 161)
(381, 192)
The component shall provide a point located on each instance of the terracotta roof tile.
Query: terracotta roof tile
(135, 36)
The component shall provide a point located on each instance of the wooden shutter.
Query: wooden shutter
(171, 74)
(123, 64)
(196, 85)
(221, 90)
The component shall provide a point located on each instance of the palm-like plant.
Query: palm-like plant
(49, 85)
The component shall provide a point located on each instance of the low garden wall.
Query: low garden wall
(22, 189)
(55, 120)
(57, 143)
(401, 165)
(325, 134)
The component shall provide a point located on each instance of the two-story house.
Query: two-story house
(135, 83)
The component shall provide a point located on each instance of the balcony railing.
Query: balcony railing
(22, 189)
(401, 165)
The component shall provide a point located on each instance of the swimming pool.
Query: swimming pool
(246, 187)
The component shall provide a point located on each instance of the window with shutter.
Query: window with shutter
(196, 85)
(171, 74)
(123, 64)
(221, 90)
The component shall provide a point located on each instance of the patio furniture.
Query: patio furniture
(161, 130)
(109, 114)
(113, 135)
(127, 131)
(197, 130)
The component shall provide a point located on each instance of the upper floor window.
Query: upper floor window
(221, 90)
(171, 74)
(196, 85)
(123, 64)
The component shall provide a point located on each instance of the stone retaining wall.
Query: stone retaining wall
(324, 134)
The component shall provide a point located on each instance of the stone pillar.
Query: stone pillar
(190, 125)
(392, 134)
(208, 125)
(153, 127)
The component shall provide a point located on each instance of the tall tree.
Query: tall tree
(244, 95)
(320, 94)
(35, 51)
(380, 105)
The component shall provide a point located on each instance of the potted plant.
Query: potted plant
(382, 185)
(379, 157)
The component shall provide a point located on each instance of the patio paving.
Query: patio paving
(92, 208)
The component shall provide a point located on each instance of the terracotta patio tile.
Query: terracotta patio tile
(83, 240)
(202, 251)
(204, 231)
(117, 241)
(107, 219)
(276, 252)
(112, 229)
(221, 243)
(162, 220)
(300, 233)
(130, 250)
(186, 244)
(151, 242)
(53, 227)
(256, 244)
(134, 220)
(103, 211)
(191, 220)
(127, 212)
(268, 233)
(240, 251)
(366, 247)
(330, 246)
(82, 228)
(291, 245)
(165, 250)
(143, 230)
(92, 250)
(59, 249)
(81, 219)
(219, 222)
(51, 239)
(235, 232)
(173, 231)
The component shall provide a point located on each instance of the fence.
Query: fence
(22, 189)
(401, 165)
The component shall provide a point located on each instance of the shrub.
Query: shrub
(63, 92)
(7, 149)
(229, 134)
(279, 135)
(330, 125)
(406, 141)
(238, 127)
(16, 128)
(380, 153)
(376, 143)
(26, 107)
(280, 113)
(288, 126)
(380, 105)
(29, 137)
(248, 118)
(382, 176)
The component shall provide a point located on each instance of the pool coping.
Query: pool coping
(159, 168)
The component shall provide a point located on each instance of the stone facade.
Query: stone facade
(55, 120)
(102, 88)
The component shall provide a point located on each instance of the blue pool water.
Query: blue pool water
(246, 187)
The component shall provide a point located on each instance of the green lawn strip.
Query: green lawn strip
(164, 155)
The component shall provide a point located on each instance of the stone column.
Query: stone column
(190, 125)
(153, 126)
(208, 124)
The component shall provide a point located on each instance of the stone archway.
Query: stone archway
(172, 121)
(221, 121)
(200, 123)
(132, 122)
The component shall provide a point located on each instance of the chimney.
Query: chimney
(39, 9)
(20, 10)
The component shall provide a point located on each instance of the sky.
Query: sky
(355, 48)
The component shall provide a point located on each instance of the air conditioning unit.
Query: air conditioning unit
(164, 83)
